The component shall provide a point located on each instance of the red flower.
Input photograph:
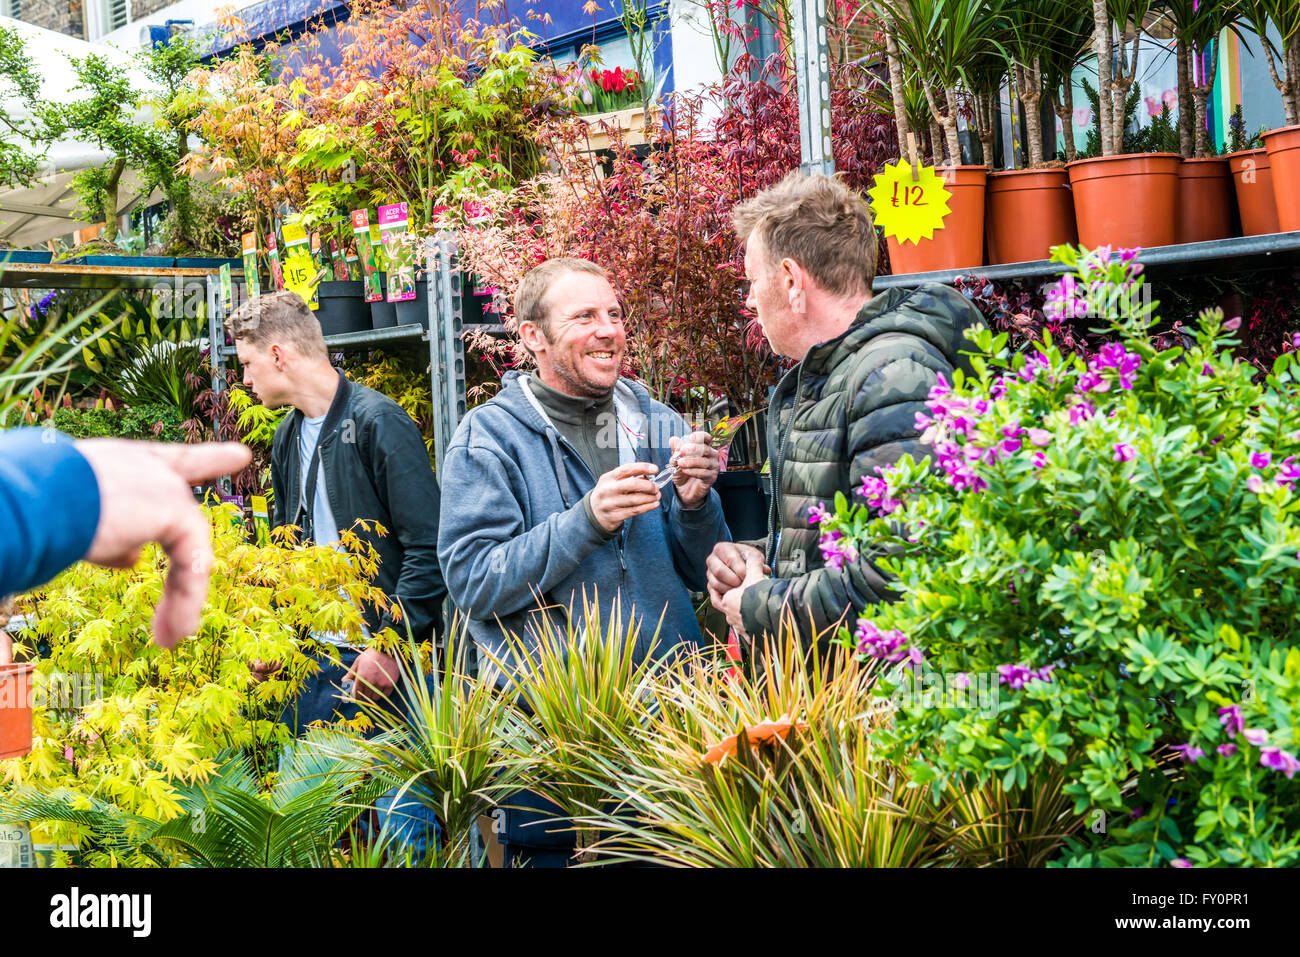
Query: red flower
(607, 81)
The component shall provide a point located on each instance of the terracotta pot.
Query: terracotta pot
(1284, 157)
(960, 244)
(1252, 178)
(15, 710)
(1126, 201)
(1027, 213)
(1205, 200)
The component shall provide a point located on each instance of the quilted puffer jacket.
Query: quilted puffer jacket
(847, 409)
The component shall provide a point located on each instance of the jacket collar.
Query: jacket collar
(335, 413)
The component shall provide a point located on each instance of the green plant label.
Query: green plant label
(300, 273)
(394, 229)
(227, 291)
(251, 278)
(368, 249)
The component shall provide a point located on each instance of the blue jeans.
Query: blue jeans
(413, 825)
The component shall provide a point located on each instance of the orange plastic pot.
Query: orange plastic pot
(1205, 200)
(1252, 179)
(960, 244)
(1028, 212)
(1284, 157)
(15, 710)
(1126, 200)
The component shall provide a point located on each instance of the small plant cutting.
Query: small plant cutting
(1108, 547)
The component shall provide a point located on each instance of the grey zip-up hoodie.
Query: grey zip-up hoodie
(513, 528)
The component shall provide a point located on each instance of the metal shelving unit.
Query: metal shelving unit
(442, 337)
(1273, 250)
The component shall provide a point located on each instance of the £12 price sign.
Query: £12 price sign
(909, 208)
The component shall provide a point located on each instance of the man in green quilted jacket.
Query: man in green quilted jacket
(848, 408)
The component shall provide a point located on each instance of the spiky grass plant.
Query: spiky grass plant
(444, 751)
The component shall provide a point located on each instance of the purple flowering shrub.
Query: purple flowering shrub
(1109, 548)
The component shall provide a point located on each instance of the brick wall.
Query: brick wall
(63, 16)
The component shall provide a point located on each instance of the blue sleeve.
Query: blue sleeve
(49, 507)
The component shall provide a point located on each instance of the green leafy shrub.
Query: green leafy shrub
(1108, 549)
(152, 421)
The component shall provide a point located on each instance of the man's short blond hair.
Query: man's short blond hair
(279, 317)
(819, 223)
(530, 299)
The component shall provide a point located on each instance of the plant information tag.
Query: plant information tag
(299, 268)
(398, 252)
(909, 208)
(251, 279)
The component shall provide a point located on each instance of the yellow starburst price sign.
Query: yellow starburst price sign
(909, 208)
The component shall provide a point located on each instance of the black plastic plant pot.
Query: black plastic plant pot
(383, 314)
(342, 308)
(744, 504)
(415, 312)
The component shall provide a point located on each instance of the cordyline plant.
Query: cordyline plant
(1198, 27)
(1111, 546)
(162, 720)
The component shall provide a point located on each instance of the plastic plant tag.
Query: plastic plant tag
(909, 208)
(273, 256)
(261, 520)
(720, 437)
(368, 250)
(251, 278)
(299, 268)
(227, 291)
(400, 255)
(326, 265)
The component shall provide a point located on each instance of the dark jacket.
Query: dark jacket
(847, 409)
(49, 507)
(377, 469)
(514, 527)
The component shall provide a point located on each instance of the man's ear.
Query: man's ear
(794, 279)
(530, 334)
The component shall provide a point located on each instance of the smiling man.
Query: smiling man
(547, 498)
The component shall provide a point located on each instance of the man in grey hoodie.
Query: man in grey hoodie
(547, 499)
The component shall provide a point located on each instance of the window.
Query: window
(14, 8)
(117, 14)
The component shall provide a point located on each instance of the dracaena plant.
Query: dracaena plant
(1111, 546)
(1199, 26)
(133, 725)
(1284, 60)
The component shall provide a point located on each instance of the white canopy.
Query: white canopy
(45, 210)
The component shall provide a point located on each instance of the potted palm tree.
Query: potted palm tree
(942, 40)
(1119, 199)
(1205, 182)
(1283, 144)
(1031, 210)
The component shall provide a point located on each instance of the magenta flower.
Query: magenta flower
(999, 387)
(887, 645)
(1039, 437)
(1081, 412)
(1256, 736)
(1288, 472)
(1017, 676)
(1011, 445)
(1231, 719)
(1295, 341)
(835, 551)
(1233, 324)
(876, 492)
(816, 514)
(1124, 452)
(1279, 760)
(1092, 382)
(1260, 460)
(1065, 300)
(1227, 750)
(1206, 370)
(1039, 460)
(1191, 754)
(1180, 862)
(1255, 484)
(961, 680)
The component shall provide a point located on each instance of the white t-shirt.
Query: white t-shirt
(325, 528)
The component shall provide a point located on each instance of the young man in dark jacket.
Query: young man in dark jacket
(548, 496)
(866, 367)
(345, 453)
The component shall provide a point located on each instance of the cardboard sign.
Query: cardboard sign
(909, 208)
(367, 246)
(300, 273)
(400, 255)
(251, 279)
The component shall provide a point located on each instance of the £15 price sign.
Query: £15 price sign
(909, 208)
